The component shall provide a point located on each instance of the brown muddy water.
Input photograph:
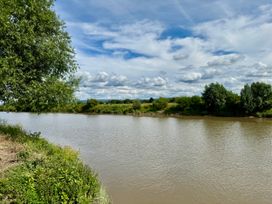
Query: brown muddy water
(143, 160)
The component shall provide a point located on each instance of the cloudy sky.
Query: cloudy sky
(152, 48)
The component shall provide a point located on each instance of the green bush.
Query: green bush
(112, 109)
(91, 103)
(46, 173)
(184, 103)
(160, 104)
(136, 105)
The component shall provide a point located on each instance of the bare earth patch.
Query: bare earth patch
(8, 153)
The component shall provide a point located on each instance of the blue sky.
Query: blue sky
(153, 48)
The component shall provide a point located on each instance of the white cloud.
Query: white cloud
(190, 77)
(234, 50)
(101, 77)
(249, 35)
(117, 80)
(153, 83)
(225, 60)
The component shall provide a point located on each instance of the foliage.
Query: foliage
(214, 97)
(43, 97)
(160, 104)
(146, 107)
(74, 107)
(232, 106)
(112, 109)
(190, 105)
(197, 104)
(136, 105)
(215, 100)
(35, 52)
(184, 103)
(116, 101)
(247, 102)
(256, 97)
(262, 95)
(128, 101)
(91, 103)
(266, 114)
(46, 174)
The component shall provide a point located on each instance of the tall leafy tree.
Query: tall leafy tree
(262, 94)
(35, 51)
(232, 104)
(256, 97)
(215, 96)
(247, 100)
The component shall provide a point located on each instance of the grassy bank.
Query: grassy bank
(45, 173)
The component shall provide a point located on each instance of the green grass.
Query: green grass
(47, 173)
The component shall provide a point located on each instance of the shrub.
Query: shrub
(91, 103)
(112, 109)
(47, 173)
(184, 103)
(136, 105)
(160, 104)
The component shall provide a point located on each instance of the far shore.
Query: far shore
(163, 115)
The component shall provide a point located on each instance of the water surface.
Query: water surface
(144, 160)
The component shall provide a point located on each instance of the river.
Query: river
(142, 160)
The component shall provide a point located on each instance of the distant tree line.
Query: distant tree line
(254, 99)
(215, 100)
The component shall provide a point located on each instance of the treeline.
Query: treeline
(254, 99)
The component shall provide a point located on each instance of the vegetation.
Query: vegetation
(159, 104)
(36, 75)
(112, 109)
(46, 173)
(255, 100)
(136, 105)
(190, 105)
(219, 101)
(91, 103)
(36, 58)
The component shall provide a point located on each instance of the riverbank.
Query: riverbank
(166, 113)
(35, 171)
(188, 117)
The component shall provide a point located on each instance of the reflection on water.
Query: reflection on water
(167, 160)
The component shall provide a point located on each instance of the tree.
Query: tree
(214, 97)
(232, 106)
(247, 102)
(50, 95)
(150, 100)
(35, 51)
(197, 103)
(128, 101)
(256, 97)
(262, 95)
